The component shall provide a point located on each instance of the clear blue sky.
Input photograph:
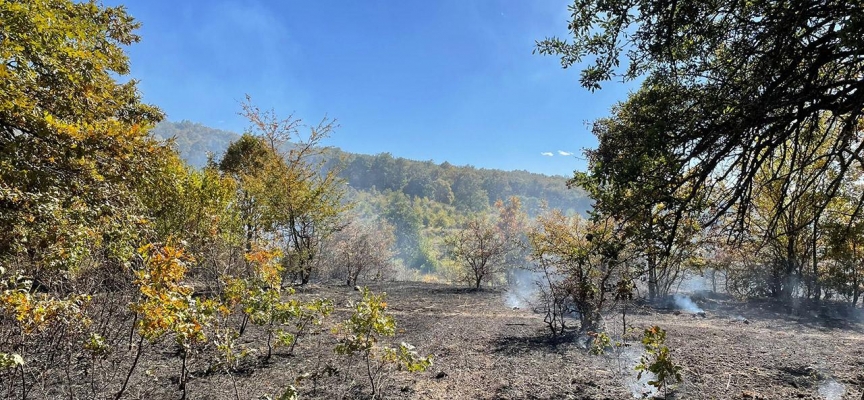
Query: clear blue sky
(447, 80)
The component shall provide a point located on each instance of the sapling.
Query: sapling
(361, 333)
(657, 360)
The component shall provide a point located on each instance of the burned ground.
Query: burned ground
(483, 349)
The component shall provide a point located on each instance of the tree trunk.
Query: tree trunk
(817, 288)
(652, 277)
(789, 269)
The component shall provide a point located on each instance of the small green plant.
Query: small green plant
(290, 393)
(657, 360)
(10, 360)
(600, 342)
(166, 306)
(361, 333)
(260, 299)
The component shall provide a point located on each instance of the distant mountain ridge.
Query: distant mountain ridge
(465, 187)
(195, 141)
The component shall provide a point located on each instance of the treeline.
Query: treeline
(733, 155)
(422, 202)
(467, 188)
(195, 142)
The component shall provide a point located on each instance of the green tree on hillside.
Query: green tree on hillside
(73, 140)
(299, 204)
(244, 161)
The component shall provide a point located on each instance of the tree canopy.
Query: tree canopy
(73, 141)
(730, 87)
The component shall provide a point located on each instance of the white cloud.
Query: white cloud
(564, 153)
(547, 154)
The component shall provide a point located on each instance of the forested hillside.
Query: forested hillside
(467, 188)
(422, 201)
(195, 141)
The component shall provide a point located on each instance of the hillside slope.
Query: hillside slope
(467, 188)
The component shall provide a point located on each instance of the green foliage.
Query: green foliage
(96, 345)
(422, 200)
(600, 342)
(201, 209)
(260, 299)
(723, 100)
(289, 394)
(360, 334)
(657, 360)
(582, 263)
(11, 360)
(367, 323)
(283, 193)
(245, 156)
(73, 140)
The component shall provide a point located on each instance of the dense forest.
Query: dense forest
(144, 259)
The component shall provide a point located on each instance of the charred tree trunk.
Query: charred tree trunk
(817, 287)
(652, 277)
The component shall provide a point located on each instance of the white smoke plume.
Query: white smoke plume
(832, 390)
(685, 303)
(522, 290)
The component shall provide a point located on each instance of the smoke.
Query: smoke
(628, 358)
(832, 390)
(685, 303)
(523, 289)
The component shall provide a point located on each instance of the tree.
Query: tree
(512, 225)
(737, 84)
(579, 259)
(479, 248)
(625, 182)
(73, 140)
(284, 193)
(362, 248)
(244, 161)
(844, 244)
(200, 211)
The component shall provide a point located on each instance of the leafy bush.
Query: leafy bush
(580, 262)
(361, 334)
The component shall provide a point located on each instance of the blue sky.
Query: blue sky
(447, 80)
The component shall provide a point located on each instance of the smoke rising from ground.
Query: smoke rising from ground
(685, 303)
(832, 390)
(629, 357)
(522, 291)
